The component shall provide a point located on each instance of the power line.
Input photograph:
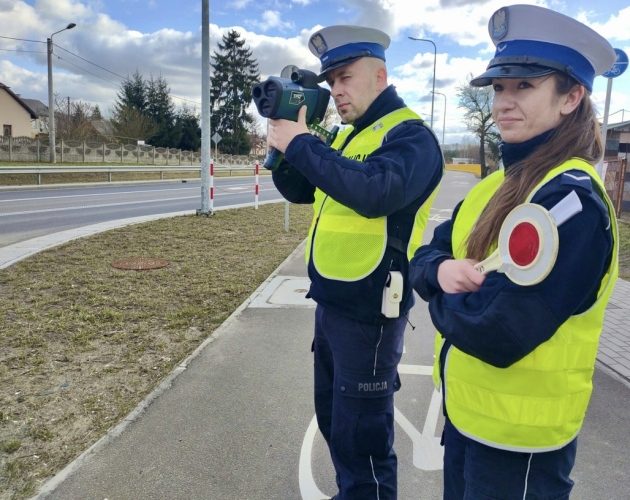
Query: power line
(90, 62)
(21, 39)
(124, 78)
(86, 71)
(20, 50)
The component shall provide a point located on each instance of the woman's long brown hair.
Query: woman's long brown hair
(577, 135)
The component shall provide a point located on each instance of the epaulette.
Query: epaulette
(577, 178)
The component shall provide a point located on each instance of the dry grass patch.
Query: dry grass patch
(82, 343)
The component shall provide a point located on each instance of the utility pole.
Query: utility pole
(51, 104)
(206, 151)
(434, 59)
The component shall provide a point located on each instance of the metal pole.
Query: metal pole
(205, 110)
(434, 59)
(600, 165)
(444, 118)
(51, 104)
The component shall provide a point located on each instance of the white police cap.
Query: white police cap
(533, 41)
(337, 46)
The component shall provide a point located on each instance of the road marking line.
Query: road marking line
(308, 488)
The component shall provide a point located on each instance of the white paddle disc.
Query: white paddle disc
(528, 241)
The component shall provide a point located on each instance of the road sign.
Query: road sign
(216, 138)
(621, 64)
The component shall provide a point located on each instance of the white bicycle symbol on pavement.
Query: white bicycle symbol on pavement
(427, 452)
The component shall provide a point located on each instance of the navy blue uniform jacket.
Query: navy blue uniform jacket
(502, 322)
(393, 181)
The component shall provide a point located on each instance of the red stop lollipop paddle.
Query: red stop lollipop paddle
(528, 241)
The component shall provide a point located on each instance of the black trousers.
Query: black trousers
(355, 380)
(473, 471)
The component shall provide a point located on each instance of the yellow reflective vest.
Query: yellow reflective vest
(344, 245)
(538, 403)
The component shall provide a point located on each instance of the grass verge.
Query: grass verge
(82, 343)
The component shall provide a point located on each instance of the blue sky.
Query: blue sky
(114, 38)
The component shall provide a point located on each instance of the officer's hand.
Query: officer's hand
(281, 132)
(457, 276)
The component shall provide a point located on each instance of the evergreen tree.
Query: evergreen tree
(129, 117)
(132, 94)
(187, 122)
(161, 111)
(96, 113)
(234, 74)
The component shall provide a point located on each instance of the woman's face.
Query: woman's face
(526, 107)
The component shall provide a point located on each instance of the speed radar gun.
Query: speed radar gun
(282, 97)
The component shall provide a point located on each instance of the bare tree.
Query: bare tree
(477, 103)
(73, 119)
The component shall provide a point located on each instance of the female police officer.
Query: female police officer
(515, 362)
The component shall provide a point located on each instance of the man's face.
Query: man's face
(355, 86)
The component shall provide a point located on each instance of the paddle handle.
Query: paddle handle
(491, 263)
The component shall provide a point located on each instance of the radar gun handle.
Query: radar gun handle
(273, 159)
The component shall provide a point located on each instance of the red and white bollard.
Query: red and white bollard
(256, 186)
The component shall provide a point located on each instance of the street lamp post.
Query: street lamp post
(444, 120)
(51, 104)
(434, 58)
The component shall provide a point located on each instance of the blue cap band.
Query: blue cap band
(558, 57)
(351, 51)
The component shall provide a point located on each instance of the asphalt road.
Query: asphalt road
(29, 212)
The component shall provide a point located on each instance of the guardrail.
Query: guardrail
(112, 169)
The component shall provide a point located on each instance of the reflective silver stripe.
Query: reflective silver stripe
(380, 338)
(529, 462)
(580, 178)
(501, 446)
(378, 494)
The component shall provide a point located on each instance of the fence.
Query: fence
(180, 170)
(617, 182)
(25, 150)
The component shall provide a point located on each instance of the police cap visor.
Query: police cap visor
(510, 71)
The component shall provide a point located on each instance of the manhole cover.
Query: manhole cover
(140, 263)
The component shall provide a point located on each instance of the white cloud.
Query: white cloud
(271, 19)
(175, 53)
(615, 28)
(241, 4)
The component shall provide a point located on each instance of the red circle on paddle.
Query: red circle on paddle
(524, 244)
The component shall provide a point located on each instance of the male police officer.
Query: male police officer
(371, 190)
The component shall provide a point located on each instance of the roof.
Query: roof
(103, 127)
(19, 100)
(622, 125)
(38, 106)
